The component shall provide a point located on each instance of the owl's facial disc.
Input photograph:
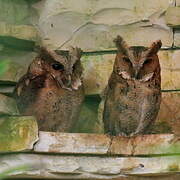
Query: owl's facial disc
(76, 84)
(66, 77)
(76, 76)
(58, 73)
(124, 75)
(146, 77)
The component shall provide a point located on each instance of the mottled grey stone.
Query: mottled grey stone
(8, 106)
(14, 11)
(177, 2)
(173, 17)
(56, 30)
(16, 18)
(15, 63)
(26, 32)
(84, 167)
(11, 72)
(92, 25)
(177, 38)
(88, 118)
(6, 89)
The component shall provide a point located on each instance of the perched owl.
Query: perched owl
(52, 90)
(133, 94)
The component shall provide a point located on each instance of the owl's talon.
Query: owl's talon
(175, 140)
(122, 134)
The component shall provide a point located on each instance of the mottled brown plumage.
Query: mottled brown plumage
(133, 94)
(52, 90)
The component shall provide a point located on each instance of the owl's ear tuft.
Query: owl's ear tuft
(155, 47)
(45, 52)
(75, 52)
(121, 44)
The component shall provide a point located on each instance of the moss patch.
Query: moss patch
(17, 132)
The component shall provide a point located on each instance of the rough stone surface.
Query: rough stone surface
(8, 106)
(170, 68)
(16, 18)
(173, 16)
(15, 63)
(97, 70)
(11, 72)
(72, 143)
(6, 89)
(168, 119)
(26, 32)
(84, 167)
(177, 2)
(92, 25)
(99, 144)
(14, 11)
(88, 119)
(17, 133)
(18, 56)
(100, 37)
(177, 38)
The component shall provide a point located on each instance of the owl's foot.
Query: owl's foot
(122, 134)
(175, 140)
(109, 134)
(133, 134)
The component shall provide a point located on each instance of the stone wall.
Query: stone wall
(92, 26)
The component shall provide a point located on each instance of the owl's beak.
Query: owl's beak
(61, 83)
(137, 68)
(69, 81)
(136, 73)
(76, 84)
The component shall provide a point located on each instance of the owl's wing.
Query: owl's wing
(108, 115)
(26, 91)
(104, 92)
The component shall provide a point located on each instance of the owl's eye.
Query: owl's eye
(126, 59)
(57, 66)
(147, 61)
(74, 67)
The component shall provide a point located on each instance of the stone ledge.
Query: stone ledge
(89, 167)
(99, 144)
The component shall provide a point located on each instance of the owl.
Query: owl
(52, 90)
(133, 93)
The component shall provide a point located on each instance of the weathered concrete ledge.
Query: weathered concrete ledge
(96, 156)
(82, 143)
(89, 167)
(100, 144)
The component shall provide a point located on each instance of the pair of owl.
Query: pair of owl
(52, 90)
